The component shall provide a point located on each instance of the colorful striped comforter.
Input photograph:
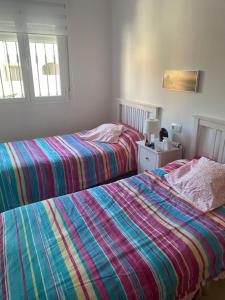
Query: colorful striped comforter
(39, 169)
(133, 239)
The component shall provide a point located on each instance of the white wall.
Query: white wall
(90, 66)
(150, 36)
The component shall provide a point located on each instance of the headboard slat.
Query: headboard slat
(209, 138)
(222, 148)
(134, 113)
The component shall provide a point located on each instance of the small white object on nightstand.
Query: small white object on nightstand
(150, 159)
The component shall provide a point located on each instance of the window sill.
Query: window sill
(61, 99)
(38, 100)
(15, 100)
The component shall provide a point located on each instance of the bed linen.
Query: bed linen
(201, 181)
(132, 239)
(42, 168)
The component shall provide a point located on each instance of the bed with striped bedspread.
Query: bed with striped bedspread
(133, 239)
(42, 168)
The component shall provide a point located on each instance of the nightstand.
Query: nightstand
(150, 159)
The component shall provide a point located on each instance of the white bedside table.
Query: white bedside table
(150, 159)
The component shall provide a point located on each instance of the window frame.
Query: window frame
(63, 67)
(23, 71)
(27, 75)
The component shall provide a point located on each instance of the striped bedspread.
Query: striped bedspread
(39, 169)
(133, 239)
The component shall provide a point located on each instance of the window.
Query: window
(33, 50)
(43, 63)
(11, 79)
(49, 66)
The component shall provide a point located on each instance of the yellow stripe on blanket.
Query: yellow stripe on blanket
(54, 217)
(21, 189)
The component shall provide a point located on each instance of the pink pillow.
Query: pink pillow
(105, 133)
(201, 182)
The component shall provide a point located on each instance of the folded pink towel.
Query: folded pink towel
(105, 133)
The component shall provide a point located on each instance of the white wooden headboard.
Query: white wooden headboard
(135, 113)
(209, 138)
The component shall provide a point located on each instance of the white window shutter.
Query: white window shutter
(33, 16)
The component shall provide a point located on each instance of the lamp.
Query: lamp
(151, 128)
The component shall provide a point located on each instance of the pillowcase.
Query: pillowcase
(201, 182)
(105, 133)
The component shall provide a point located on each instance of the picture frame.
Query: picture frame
(181, 80)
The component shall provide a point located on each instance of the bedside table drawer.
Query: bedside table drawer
(150, 159)
(147, 160)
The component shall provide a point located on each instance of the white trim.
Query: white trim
(211, 120)
(23, 58)
(50, 99)
(13, 100)
(28, 66)
(138, 104)
(209, 138)
(64, 66)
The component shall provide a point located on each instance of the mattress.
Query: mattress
(132, 239)
(42, 168)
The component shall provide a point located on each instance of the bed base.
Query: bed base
(206, 287)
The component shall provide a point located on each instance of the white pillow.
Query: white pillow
(201, 182)
(105, 133)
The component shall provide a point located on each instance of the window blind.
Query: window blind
(33, 16)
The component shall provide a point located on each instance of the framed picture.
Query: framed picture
(181, 80)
